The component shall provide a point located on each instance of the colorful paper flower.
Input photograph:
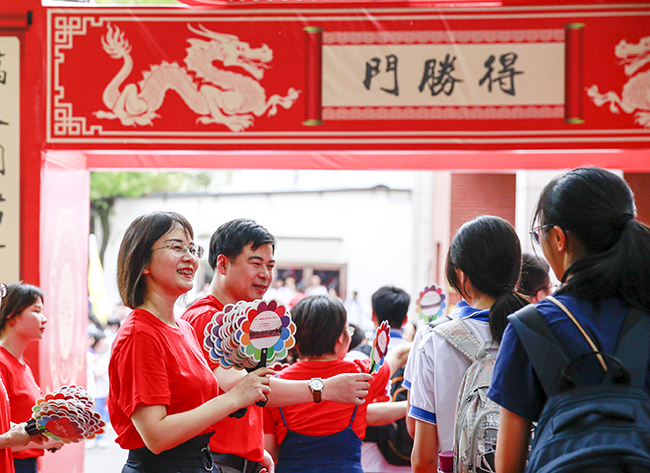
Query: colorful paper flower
(286, 327)
(431, 303)
(379, 347)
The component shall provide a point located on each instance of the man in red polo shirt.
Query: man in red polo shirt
(241, 256)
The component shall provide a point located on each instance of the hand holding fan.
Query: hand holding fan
(247, 335)
(379, 347)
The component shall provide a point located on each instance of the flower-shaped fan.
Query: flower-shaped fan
(379, 347)
(66, 415)
(249, 334)
(431, 303)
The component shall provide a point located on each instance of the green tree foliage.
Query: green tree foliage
(105, 187)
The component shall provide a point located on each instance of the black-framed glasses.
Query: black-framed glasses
(180, 248)
(3, 290)
(537, 231)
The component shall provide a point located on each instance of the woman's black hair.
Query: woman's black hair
(487, 250)
(534, 275)
(19, 297)
(319, 323)
(597, 207)
(135, 252)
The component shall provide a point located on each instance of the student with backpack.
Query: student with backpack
(483, 265)
(596, 416)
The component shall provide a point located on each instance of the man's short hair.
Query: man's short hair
(391, 303)
(232, 237)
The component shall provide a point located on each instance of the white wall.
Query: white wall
(371, 230)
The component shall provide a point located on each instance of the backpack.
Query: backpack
(477, 417)
(596, 428)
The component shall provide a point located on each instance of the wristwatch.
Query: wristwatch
(316, 388)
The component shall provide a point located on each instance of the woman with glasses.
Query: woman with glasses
(584, 223)
(163, 396)
(14, 438)
(21, 322)
(324, 437)
(483, 266)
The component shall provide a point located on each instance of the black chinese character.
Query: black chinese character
(442, 80)
(505, 77)
(372, 70)
(3, 74)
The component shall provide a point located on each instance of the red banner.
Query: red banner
(550, 77)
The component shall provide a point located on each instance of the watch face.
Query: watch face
(316, 384)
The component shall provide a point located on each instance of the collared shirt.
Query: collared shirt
(434, 389)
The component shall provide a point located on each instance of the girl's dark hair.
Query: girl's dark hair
(487, 250)
(357, 338)
(319, 323)
(597, 208)
(135, 252)
(534, 275)
(19, 297)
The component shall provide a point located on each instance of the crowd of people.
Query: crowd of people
(173, 408)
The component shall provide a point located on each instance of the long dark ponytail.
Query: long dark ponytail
(488, 251)
(597, 207)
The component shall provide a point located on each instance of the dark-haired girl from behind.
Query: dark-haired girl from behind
(483, 266)
(585, 225)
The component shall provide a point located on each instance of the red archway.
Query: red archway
(349, 85)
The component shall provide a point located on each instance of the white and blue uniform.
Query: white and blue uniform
(440, 370)
(411, 369)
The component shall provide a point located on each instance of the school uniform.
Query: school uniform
(153, 363)
(410, 369)
(23, 393)
(441, 367)
(6, 459)
(515, 384)
(323, 437)
(237, 444)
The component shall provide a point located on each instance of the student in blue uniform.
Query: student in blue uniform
(584, 223)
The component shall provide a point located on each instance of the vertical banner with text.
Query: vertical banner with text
(9, 159)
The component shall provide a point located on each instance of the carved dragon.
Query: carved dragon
(218, 96)
(636, 91)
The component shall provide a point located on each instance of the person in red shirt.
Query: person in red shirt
(242, 257)
(326, 437)
(21, 322)
(13, 437)
(163, 398)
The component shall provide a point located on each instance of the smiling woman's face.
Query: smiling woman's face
(167, 272)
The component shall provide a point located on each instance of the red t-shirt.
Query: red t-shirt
(23, 393)
(242, 437)
(327, 417)
(6, 460)
(155, 364)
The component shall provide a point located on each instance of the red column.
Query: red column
(573, 86)
(313, 75)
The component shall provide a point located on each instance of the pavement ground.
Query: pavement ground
(107, 458)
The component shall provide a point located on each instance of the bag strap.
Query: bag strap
(633, 345)
(582, 330)
(545, 352)
(461, 337)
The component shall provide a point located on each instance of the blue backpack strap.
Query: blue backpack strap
(545, 352)
(354, 414)
(633, 346)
